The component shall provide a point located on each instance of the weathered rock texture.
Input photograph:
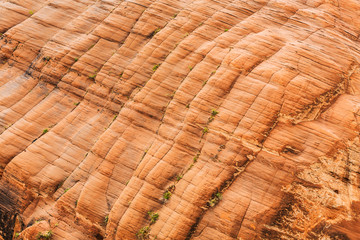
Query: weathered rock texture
(231, 119)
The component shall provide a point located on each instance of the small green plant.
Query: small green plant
(76, 103)
(114, 118)
(67, 189)
(187, 105)
(196, 157)
(226, 30)
(31, 12)
(190, 68)
(167, 195)
(106, 219)
(45, 130)
(214, 112)
(179, 177)
(39, 220)
(76, 59)
(153, 217)
(156, 31)
(92, 76)
(143, 233)
(45, 235)
(213, 201)
(156, 67)
(174, 16)
(121, 74)
(17, 235)
(190, 167)
(205, 130)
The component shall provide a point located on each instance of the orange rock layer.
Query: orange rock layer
(139, 119)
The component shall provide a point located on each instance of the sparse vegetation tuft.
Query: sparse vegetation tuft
(196, 157)
(214, 112)
(205, 130)
(143, 233)
(214, 200)
(156, 31)
(153, 217)
(92, 76)
(179, 177)
(167, 195)
(156, 67)
(45, 235)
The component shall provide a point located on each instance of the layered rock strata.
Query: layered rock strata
(232, 119)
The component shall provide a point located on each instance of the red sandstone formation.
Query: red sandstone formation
(189, 119)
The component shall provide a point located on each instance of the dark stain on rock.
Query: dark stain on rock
(8, 215)
(285, 208)
(338, 236)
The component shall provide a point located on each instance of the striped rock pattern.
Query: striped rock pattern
(186, 119)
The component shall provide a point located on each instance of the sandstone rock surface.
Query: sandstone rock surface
(180, 119)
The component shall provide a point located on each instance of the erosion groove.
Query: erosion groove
(234, 119)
